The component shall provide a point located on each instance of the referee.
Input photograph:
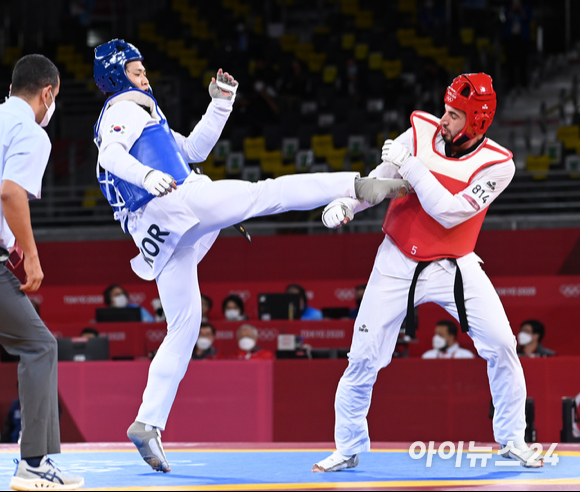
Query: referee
(24, 151)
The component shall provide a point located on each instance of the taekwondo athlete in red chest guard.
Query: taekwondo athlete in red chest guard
(456, 172)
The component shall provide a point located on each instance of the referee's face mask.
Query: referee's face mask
(49, 110)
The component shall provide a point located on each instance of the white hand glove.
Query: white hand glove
(223, 86)
(394, 153)
(336, 214)
(158, 183)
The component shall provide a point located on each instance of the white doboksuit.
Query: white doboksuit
(193, 216)
(384, 306)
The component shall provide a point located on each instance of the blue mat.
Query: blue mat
(115, 469)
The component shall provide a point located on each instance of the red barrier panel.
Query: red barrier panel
(307, 257)
(253, 401)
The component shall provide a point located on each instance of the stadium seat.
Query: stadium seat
(254, 148)
(329, 74)
(336, 158)
(348, 41)
(538, 166)
(322, 145)
(392, 69)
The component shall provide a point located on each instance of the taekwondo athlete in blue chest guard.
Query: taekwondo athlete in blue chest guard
(175, 215)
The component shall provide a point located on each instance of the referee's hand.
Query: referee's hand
(33, 272)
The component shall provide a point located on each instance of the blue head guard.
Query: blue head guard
(110, 61)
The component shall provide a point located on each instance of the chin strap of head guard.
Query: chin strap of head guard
(110, 61)
(473, 93)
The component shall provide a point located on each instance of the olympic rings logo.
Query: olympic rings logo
(267, 334)
(155, 335)
(345, 294)
(570, 290)
(137, 297)
(244, 295)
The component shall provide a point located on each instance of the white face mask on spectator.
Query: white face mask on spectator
(524, 338)
(203, 343)
(120, 301)
(247, 344)
(439, 343)
(232, 314)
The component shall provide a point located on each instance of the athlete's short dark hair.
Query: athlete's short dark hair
(32, 73)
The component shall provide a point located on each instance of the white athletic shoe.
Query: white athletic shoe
(522, 453)
(336, 462)
(46, 476)
(148, 441)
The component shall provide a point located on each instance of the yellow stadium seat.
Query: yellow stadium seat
(316, 61)
(174, 47)
(284, 170)
(361, 51)
(91, 196)
(207, 76)
(392, 69)
(63, 53)
(358, 167)
(376, 61)
(329, 74)
(455, 65)
(364, 20)
(335, 158)
(288, 42)
(483, 44)
(467, 35)
(349, 7)
(254, 148)
(322, 145)
(147, 31)
(303, 51)
(348, 41)
(406, 37)
(407, 6)
(538, 165)
(179, 5)
(423, 46)
(566, 132)
(270, 162)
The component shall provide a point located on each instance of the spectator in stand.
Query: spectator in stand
(358, 295)
(89, 332)
(233, 308)
(204, 348)
(445, 344)
(307, 313)
(206, 305)
(530, 340)
(117, 297)
(247, 336)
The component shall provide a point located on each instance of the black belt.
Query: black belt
(458, 293)
(238, 227)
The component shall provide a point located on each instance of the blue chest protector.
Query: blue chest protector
(156, 148)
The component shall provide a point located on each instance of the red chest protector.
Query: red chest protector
(414, 231)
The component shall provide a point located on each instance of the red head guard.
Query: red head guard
(479, 105)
